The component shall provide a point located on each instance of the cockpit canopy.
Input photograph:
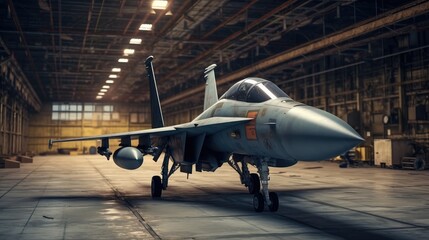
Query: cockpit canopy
(254, 90)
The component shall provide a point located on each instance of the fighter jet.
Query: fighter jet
(254, 122)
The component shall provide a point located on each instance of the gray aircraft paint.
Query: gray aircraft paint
(255, 122)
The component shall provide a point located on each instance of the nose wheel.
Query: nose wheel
(264, 197)
(274, 198)
(259, 202)
(256, 184)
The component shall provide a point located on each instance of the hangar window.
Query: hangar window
(107, 111)
(115, 116)
(87, 115)
(138, 118)
(89, 107)
(87, 111)
(67, 111)
(134, 117)
(108, 108)
(106, 116)
(55, 116)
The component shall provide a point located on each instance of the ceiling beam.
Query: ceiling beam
(399, 14)
(229, 39)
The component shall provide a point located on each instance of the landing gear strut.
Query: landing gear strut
(250, 180)
(253, 182)
(265, 197)
(159, 184)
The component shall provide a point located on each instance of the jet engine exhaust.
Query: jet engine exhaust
(128, 158)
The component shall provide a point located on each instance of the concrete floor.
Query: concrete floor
(87, 197)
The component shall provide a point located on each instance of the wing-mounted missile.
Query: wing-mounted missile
(128, 158)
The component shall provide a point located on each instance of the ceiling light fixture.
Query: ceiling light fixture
(135, 41)
(103, 90)
(101, 93)
(99, 97)
(159, 4)
(113, 76)
(110, 81)
(145, 27)
(128, 51)
(123, 60)
(106, 86)
(116, 69)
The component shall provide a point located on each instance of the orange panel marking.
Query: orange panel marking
(251, 126)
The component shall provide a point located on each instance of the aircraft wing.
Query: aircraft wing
(207, 126)
(211, 125)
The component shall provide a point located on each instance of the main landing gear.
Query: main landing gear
(262, 197)
(158, 184)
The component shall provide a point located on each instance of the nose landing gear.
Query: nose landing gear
(265, 196)
(262, 197)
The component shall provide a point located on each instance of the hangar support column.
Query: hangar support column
(401, 92)
(359, 97)
(17, 98)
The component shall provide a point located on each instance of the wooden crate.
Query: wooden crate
(8, 163)
(25, 159)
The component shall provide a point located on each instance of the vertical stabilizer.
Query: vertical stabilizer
(210, 97)
(155, 106)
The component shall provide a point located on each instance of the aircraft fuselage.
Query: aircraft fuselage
(260, 137)
(282, 130)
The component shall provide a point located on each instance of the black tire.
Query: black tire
(255, 184)
(258, 202)
(419, 164)
(274, 206)
(156, 187)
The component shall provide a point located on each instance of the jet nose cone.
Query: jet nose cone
(313, 134)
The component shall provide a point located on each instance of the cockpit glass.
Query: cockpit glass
(254, 90)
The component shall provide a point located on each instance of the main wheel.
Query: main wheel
(156, 187)
(258, 202)
(255, 184)
(274, 206)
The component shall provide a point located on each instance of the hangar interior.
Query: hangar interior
(66, 72)
(76, 68)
